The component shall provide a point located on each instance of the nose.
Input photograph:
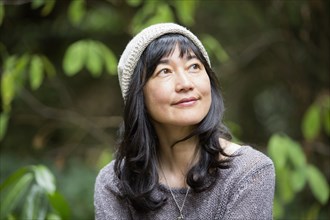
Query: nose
(183, 82)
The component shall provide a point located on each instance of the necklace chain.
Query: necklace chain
(176, 202)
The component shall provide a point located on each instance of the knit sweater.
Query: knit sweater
(244, 191)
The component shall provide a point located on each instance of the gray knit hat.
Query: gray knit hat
(137, 45)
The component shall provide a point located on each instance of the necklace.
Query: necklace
(180, 217)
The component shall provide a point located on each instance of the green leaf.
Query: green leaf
(13, 178)
(53, 216)
(4, 117)
(14, 194)
(186, 11)
(163, 14)
(10, 63)
(134, 3)
(75, 57)
(213, 45)
(36, 72)
(277, 150)
(19, 71)
(93, 61)
(11, 217)
(311, 123)
(298, 179)
(318, 184)
(110, 59)
(48, 66)
(37, 3)
(140, 18)
(326, 117)
(152, 12)
(35, 206)
(284, 186)
(48, 7)
(7, 90)
(76, 11)
(44, 178)
(326, 121)
(12, 79)
(60, 205)
(295, 152)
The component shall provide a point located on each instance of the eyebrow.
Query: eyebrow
(188, 57)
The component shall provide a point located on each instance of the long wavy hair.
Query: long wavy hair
(136, 158)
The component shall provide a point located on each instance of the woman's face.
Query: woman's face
(179, 92)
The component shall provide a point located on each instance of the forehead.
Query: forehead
(179, 51)
(164, 46)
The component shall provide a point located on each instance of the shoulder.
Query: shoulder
(229, 147)
(244, 155)
(247, 164)
(248, 157)
(109, 202)
(107, 172)
(107, 179)
(249, 170)
(248, 185)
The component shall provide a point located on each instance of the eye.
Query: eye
(164, 72)
(195, 67)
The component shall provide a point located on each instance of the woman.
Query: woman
(174, 159)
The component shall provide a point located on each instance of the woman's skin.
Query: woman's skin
(177, 98)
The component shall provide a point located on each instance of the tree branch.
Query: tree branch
(94, 126)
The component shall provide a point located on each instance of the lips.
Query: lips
(186, 101)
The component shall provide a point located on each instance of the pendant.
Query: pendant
(180, 217)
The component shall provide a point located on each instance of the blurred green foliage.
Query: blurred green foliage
(37, 185)
(293, 171)
(89, 53)
(61, 102)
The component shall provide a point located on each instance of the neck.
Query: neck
(175, 160)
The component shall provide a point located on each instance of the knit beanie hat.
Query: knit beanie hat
(137, 45)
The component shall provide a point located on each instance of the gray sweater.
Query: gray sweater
(244, 191)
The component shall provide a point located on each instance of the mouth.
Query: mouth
(186, 101)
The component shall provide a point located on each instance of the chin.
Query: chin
(190, 122)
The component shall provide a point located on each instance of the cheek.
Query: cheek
(205, 90)
(205, 86)
(155, 96)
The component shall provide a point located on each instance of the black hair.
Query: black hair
(136, 158)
